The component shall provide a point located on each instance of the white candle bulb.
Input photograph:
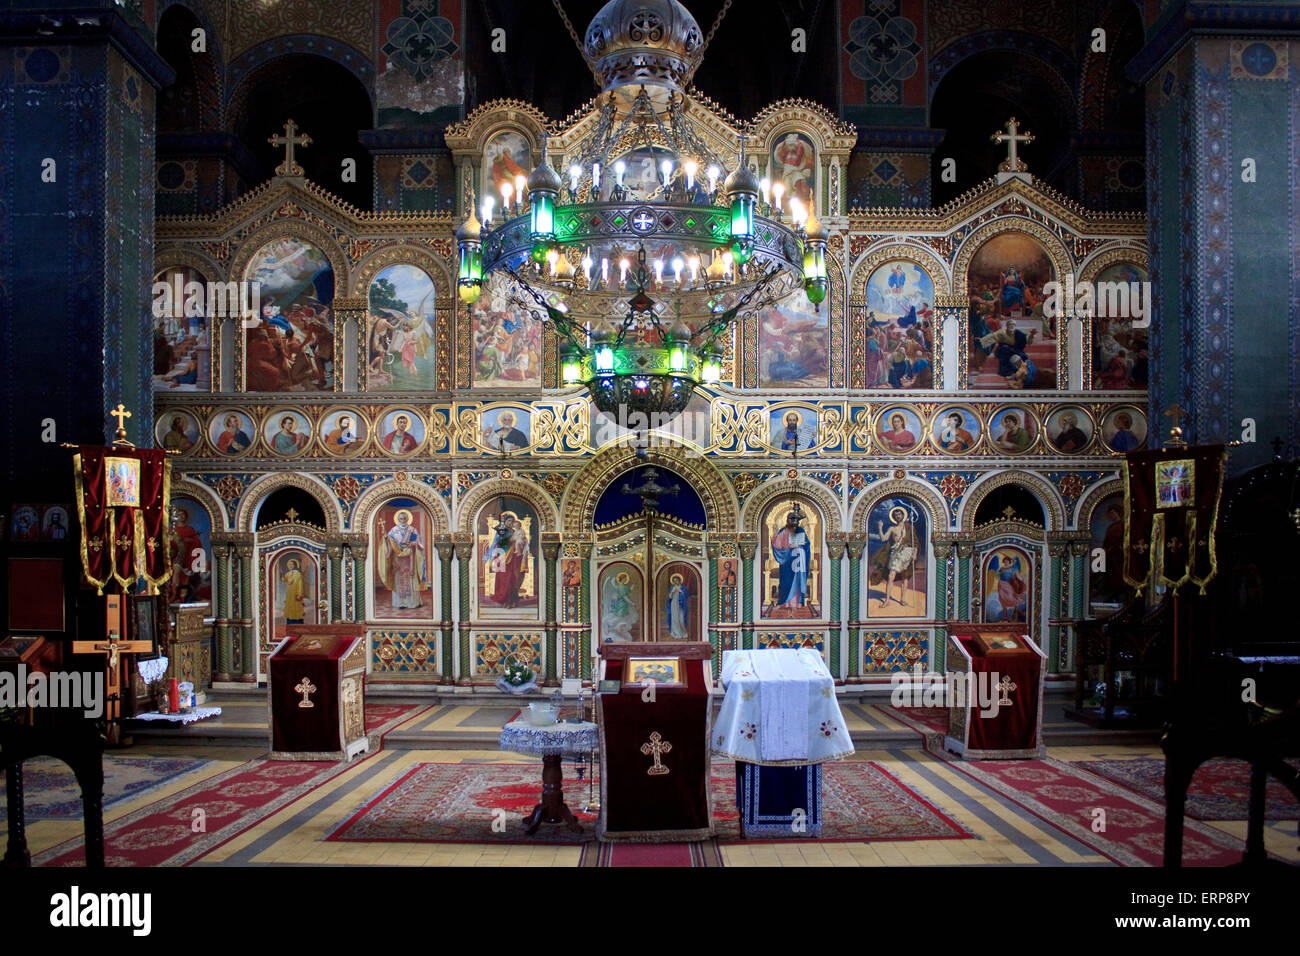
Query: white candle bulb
(694, 263)
(622, 270)
(659, 271)
(714, 173)
(488, 203)
(620, 168)
(666, 167)
(796, 210)
(778, 190)
(575, 173)
(507, 190)
(677, 269)
(552, 257)
(595, 175)
(727, 260)
(765, 186)
(690, 167)
(586, 267)
(604, 271)
(520, 184)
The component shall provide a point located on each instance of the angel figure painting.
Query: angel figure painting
(401, 582)
(400, 330)
(507, 546)
(1007, 579)
(620, 604)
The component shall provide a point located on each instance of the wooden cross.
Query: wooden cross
(1012, 137)
(1006, 686)
(112, 647)
(289, 167)
(656, 746)
(305, 687)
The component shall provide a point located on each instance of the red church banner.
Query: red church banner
(122, 500)
(1171, 512)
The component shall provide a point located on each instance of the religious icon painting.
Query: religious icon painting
(1013, 430)
(122, 482)
(1069, 430)
(642, 175)
(343, 431)
(287, 432)
(507, 341)
(401, 535)
(900, 326)
(1119, 346)
(231, 432)
(1176, 483)
(507, 535)
(664, 671)
(401, 432)
(677, 603)
(793, 429)
(1106, 577)
(899, 430)
(794, 344)
(897, 558)
(794, 165)
(25, 525)
(189, 552)
(1012, 344)
(792, 561)
(505, 158)
(400, 330)
(1124, 429)
(177, 431)
(505, 429)
(621, 597)
(182, 346)
(956, 430)
(292, 578)
(55, 523)
(289, 345)
(1008, 585)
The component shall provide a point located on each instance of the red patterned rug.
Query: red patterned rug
(703, 854)
(932, 719)
(383, 718)
(52, 791)
(459, 803)
(1220, 789)
(1122, 825)
(163, 833)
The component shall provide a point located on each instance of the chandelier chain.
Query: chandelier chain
(717, 22)
(568, 25)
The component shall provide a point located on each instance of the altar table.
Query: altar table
(552, 742)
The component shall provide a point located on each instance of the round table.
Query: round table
(552, 742)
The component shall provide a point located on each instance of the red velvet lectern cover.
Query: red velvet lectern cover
(654, 756)
(309, 668)
(1016, 729)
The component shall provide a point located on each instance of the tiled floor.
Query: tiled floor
(1004, 833)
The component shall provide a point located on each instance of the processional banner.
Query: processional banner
(122, 501)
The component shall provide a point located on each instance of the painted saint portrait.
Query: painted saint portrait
(899, 430)
(1008, 581)
(506, 156)
(177, 431)
(1106, 561)
(292, 579)
(1012, 343)
(1069, 430)
(401, 432)
(122, 482)
(794, 163)
(402, 565)
(677, 587)
(792, 562)
(898, 568)
(1119, 350)
(1124, 429)
(793, 429)
(794, 344)
(399, 330)
(25, 525)
(182, 345)
(505, 429)
(900, 327)
(287, 432)
(1013, 430)
(620, 603)
(955, 430)
(507, 536)
(289, 347)
(189, 552)
(232, 432)
(507, 341)
(343, 431)
(55, 524)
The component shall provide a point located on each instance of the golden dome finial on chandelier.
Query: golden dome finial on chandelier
(644, 42)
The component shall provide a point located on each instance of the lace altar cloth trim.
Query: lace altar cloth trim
(522, 737)
(198, 713)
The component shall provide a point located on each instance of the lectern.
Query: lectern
(654, 714)
(998, 714)
(317, 694)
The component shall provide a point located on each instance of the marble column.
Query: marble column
(464, 550)
(221, 606)
(247, 620)
(855, 545)
(550, 554)
(836, 548)
(334, 552)
(446, 550)
(584, 607)
(746, 545)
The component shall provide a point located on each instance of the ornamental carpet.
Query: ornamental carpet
(1220, 789)
(1124, 826)
(484, 803)
(52, 791)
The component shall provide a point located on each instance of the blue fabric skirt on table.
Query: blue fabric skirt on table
(779, 801)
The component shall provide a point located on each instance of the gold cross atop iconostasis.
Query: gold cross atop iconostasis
(1012, 137)
(1176, 414)
(289, 167)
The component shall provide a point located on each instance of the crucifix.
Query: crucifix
(650, 491)
(655, 748)
(112, 647)
(1012, 137)
(289, 167)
